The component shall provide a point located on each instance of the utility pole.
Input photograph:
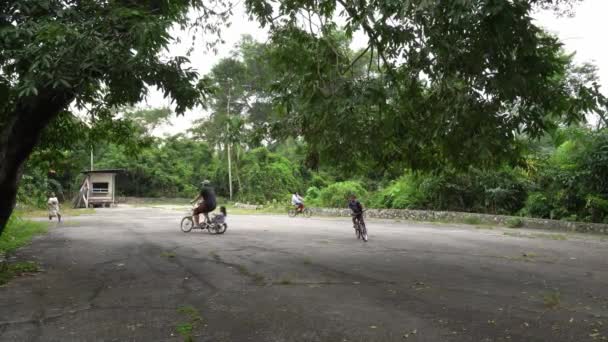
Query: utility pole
(92, 123)
(228, 140)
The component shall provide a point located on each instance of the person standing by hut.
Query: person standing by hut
(53, 206)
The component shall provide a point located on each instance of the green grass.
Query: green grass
(9, 271)
(191, 312)
(16, 234)
(243, 270)
(185, 329)
(517, 234)
(552, 299)
(168, 255)
(194, 318)
(559, 237)
(514, 222)
(215, 256)
(472, 220)
(286, 281)
(259, 279)
(526, 257)
(19, 232)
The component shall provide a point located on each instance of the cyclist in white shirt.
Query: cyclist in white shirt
(297, 201)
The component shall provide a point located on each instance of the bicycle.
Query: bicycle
(293, 212)
(360, 229)
(215, 225)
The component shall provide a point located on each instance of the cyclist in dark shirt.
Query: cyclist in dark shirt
(356, 208)
(207, 204)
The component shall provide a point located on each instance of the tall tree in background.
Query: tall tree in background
(242, 84)
(240, 106)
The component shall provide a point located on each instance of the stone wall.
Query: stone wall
(460, 217)
(248, 206)
(143, 200)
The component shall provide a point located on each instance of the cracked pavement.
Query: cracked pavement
(123, 273)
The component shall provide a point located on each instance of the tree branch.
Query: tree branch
(373, 36)
(356, 59)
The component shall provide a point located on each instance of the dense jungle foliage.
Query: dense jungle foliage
(564, 175)
(456, 89)
(561, 174)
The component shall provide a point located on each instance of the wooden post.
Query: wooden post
(85, 194)
(113, 189)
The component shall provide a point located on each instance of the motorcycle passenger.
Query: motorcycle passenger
(208, 203)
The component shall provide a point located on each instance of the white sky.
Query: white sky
(583, 34)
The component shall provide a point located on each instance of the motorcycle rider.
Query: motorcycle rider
(208, 203)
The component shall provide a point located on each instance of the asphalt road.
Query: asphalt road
(130, 274)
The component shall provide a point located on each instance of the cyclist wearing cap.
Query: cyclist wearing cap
(356, 208)
(208, 202)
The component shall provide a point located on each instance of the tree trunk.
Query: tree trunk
(238, 172)
(18, 137)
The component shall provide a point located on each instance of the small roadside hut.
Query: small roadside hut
(98, 189)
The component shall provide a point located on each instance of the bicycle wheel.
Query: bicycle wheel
(187, 224)
(291, 212)
(363, 232)
(307, 212)
(357, 231)
(221, 228)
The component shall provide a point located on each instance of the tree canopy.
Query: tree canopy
(441, 82)
(96, 55)
(459, 80)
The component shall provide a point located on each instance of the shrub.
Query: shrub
(402, 193)
(472, 220)
(319, 181)
(504, 191)
(537, 205)
(570, 218)
(266, 176)
(597, 207)
(514, 222)
(336, 195)
(376, 200)
(313, 192)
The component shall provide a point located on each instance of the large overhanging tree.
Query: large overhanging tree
(460, 81)
(89, 54)
(459, 78)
